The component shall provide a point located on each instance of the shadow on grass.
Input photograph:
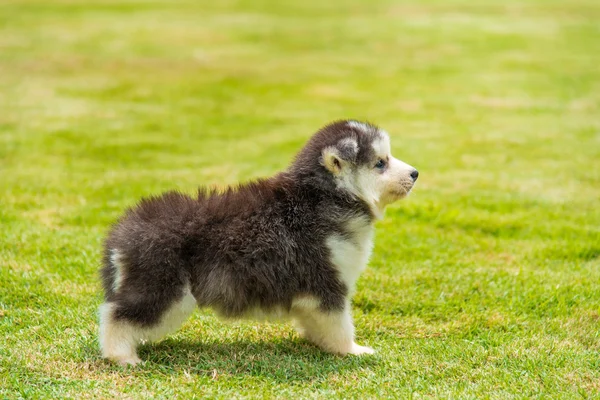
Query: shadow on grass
(281, 360)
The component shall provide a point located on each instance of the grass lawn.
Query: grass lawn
(484, 283)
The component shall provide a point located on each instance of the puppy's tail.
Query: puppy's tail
(111, 271)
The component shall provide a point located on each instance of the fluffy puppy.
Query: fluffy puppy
(292, 245)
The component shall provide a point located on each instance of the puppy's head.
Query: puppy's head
(357, 156)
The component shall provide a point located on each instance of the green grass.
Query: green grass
(484, 283)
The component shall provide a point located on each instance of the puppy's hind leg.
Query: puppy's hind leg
(332, 331)
(118, 339)
(124, 324)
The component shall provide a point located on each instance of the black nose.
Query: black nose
(414, 175)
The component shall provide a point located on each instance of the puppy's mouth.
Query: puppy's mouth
(402, 190)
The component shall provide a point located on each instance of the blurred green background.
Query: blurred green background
(484, 283)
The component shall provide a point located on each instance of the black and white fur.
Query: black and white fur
(292, 245)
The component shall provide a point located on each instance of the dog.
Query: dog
(292, 245)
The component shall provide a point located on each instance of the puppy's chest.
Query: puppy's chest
(350, 254)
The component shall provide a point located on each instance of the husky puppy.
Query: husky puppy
(292, 245)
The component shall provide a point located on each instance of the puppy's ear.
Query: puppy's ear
(332, 160)
(335, 158)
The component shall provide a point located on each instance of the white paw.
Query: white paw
(125, 361)
(300, 330)
(360, 350)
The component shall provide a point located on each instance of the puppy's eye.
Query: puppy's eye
(380, 164)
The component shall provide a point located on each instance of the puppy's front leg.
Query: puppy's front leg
(333, 331)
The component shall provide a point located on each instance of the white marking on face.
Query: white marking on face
(375, 186)
(394, 182)
(381, 144)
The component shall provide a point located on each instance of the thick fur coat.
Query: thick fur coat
(291, 245)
